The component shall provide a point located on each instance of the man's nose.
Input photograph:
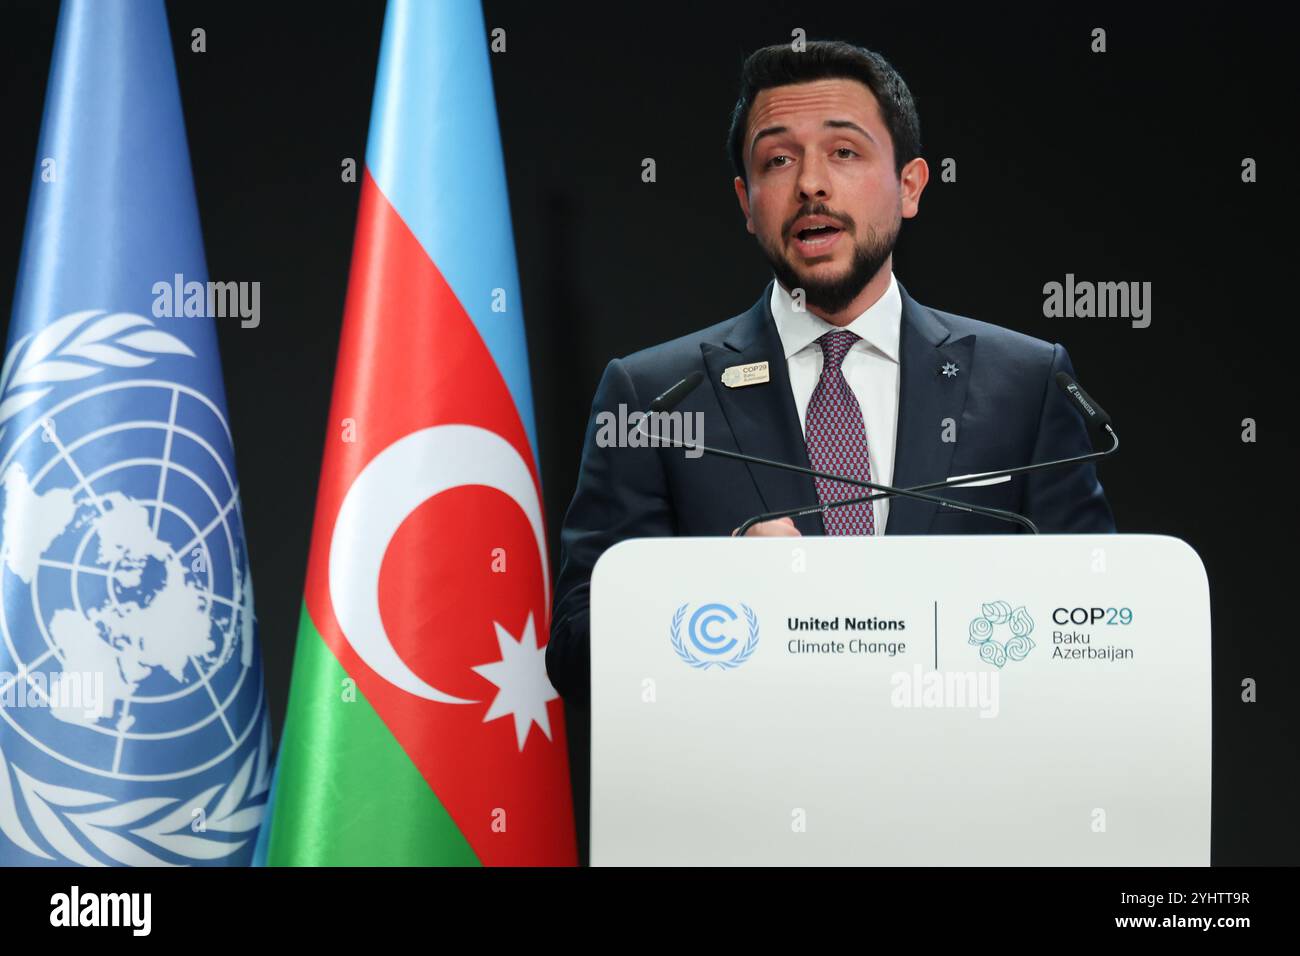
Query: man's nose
(813, 180)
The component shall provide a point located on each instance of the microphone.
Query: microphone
(673, 396)
(1098, 423)
(1097, 420)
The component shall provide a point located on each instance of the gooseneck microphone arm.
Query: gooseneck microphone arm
(1098, 422)
(674, 396)
(983, 476)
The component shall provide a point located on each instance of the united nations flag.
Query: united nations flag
(133, 725)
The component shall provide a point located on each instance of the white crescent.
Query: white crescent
(393, 484)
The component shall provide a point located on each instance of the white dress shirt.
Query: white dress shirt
(871, 369)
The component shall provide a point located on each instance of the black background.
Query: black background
(1122, 166)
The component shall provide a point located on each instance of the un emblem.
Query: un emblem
(714, 636)
(123, 568)
(1000, 614)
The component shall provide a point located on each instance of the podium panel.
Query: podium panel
(909, 700)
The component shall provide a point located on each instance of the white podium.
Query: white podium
(910, 700)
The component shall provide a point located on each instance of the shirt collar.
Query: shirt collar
(878, 326)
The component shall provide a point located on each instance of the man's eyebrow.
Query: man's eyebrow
(849, 124)
(769, 131)
(829, 124)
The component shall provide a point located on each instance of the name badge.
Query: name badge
(738, 376)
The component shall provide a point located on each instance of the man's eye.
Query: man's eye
(774, 159)
(845, 149)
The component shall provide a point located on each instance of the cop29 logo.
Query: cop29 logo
(1000, 615)
(714, 637)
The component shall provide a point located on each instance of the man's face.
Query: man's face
(824, 200)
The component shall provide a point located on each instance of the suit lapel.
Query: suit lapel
(926, 397)
(762, 418)
(765, 423)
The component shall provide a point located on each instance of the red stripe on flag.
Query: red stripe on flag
(410, 358)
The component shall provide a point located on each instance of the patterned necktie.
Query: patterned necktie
(837, 439)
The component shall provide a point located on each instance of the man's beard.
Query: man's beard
(833, 296)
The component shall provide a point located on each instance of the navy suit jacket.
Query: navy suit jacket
(1004, 400)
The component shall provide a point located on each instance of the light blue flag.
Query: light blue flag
(133, 725)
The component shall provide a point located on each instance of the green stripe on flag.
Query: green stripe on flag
(346, 792)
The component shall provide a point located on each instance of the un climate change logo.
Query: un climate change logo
(712, 631)
(1000, 614)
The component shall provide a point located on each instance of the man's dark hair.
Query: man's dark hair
(780, 65)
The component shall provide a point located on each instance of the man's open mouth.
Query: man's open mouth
(815, 234)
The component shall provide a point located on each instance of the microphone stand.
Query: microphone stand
(997, 513)
(950, 483)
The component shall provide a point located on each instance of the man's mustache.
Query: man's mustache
(846, 222)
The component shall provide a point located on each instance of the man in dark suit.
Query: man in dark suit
(835, 367)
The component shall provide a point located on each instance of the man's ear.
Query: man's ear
(742, 194)
(912, 180)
